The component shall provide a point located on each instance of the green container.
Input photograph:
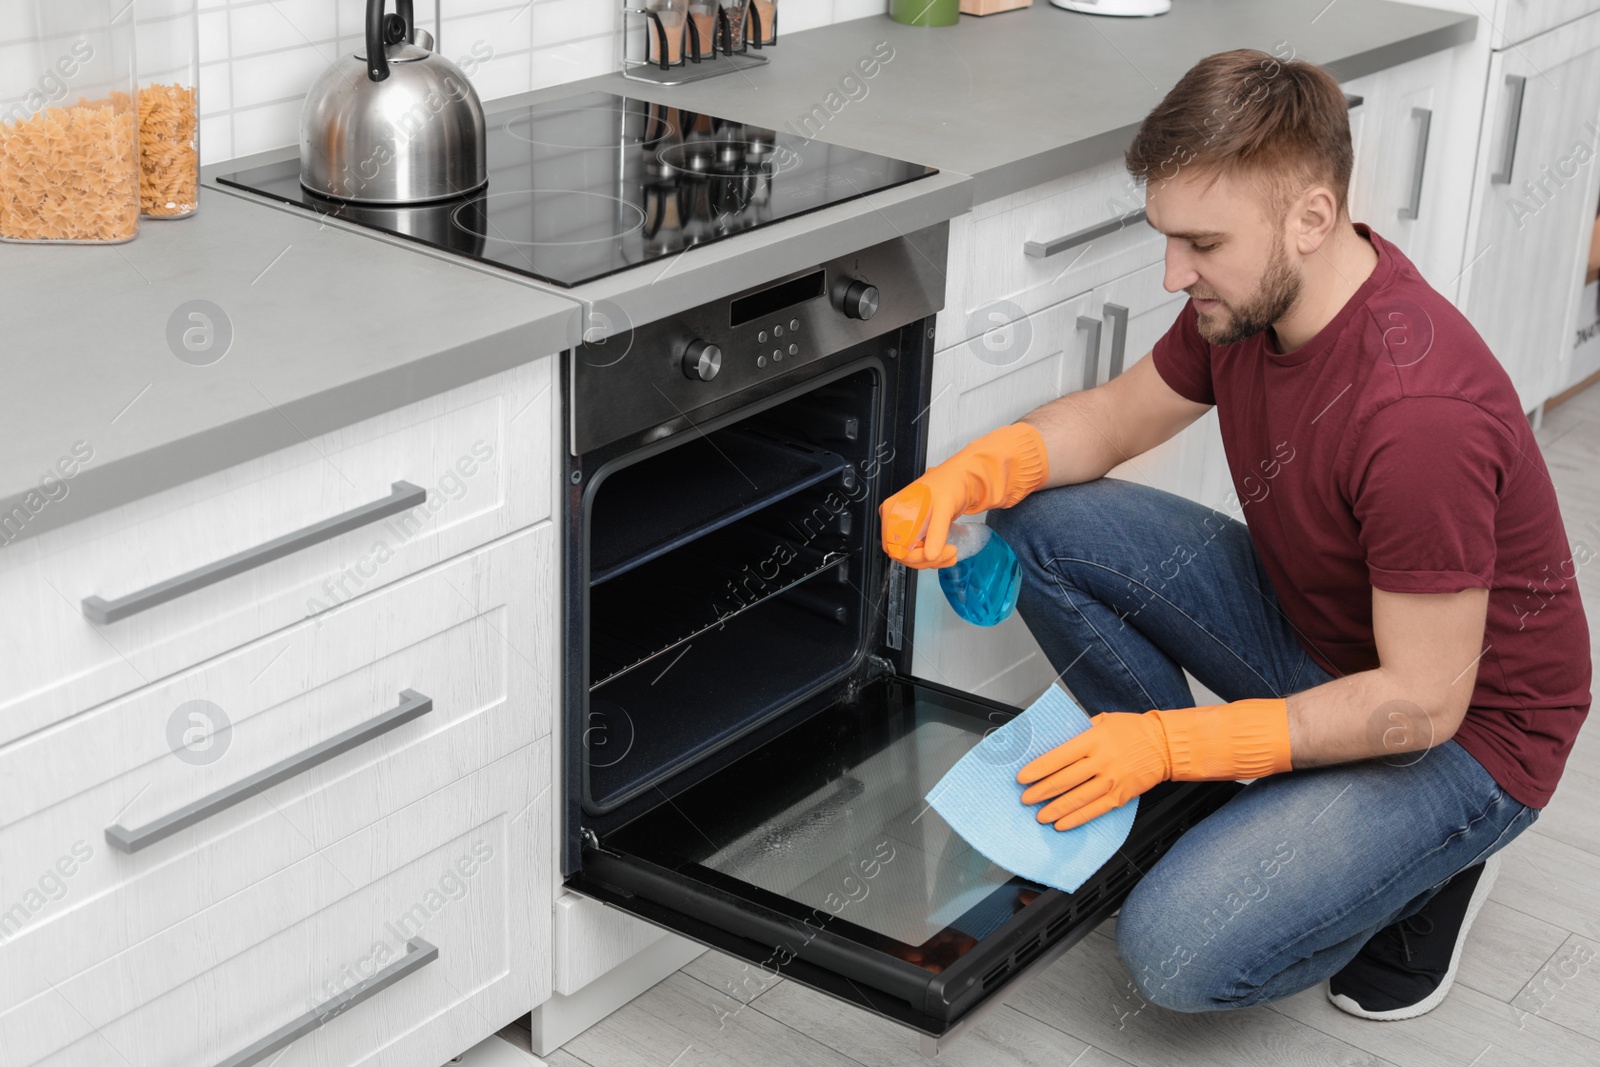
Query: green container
(925, 12)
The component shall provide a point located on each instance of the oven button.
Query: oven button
(761, 338)
(777, 331)
(794, 324)
(702, 360)
(777, 356)
(794, 350)
(761, 361)
(860, 300)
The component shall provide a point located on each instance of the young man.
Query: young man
(1396, 624)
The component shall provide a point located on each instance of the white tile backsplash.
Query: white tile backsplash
(258, 57)
(275, 25)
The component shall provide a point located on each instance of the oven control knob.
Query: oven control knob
(860, 300)
(701, 360)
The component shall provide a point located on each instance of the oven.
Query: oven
(745, 748)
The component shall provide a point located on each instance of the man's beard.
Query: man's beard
(1279, 289)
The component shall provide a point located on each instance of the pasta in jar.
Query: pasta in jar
(71, 173)
(168, 154)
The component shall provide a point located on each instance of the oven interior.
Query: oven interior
(727, 580)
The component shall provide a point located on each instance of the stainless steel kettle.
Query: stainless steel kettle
(393, 124)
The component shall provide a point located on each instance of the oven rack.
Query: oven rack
(624, 646)
(642, 515)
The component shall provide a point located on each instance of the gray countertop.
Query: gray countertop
(327, 328)
(1021, 97)
(330, 324)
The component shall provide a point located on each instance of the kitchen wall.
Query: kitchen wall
(258, 57)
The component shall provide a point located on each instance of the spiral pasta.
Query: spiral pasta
(168, 155)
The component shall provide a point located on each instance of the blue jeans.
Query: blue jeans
(1124, 586)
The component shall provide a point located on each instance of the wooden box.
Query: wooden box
(992, 7)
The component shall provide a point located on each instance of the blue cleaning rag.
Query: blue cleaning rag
(981, 799)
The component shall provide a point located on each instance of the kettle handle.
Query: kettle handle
(377, 60)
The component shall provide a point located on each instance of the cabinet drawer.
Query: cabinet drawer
(996, 379)
(455, 869)
(479, 457)
(993, 279)
(1520, 19)
(476, 636)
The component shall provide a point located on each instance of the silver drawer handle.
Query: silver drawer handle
(1424, 119)
(1044, 249)
(1508, 152)
(404, 496)
(419, 954)
(1119, 336)
(1091, 350)
(412, 704)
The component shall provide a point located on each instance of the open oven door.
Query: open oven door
(816, 856)
(763, 793)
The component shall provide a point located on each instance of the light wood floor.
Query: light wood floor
(1528, 991)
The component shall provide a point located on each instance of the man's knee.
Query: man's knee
(1177, 961)
(1043, 524)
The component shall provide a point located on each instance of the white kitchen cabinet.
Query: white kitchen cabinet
(479, 461)
(476, 636)
(1517, 20)
(1414, 135)
(1189, 463)
(590, 944)
(979, 385)
(185, 947)
(1003, 257)
(1534, 192)
(454, 873)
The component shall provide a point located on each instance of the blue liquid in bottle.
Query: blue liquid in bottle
(982, 584)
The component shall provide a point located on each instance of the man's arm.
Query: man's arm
(1074, 438)
(1429, 645)
(1089, 432)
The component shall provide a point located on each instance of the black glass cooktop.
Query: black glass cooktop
(586, 186)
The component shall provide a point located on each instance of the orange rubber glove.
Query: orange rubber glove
(994, 471)
(1122, 754)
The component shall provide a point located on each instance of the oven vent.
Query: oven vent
(1019, 958)
(1114, 886)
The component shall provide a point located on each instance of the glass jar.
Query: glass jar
(168, 44)
(702, 39)
(665, 23)
(762, 23)
(734, 12)
(69, 124)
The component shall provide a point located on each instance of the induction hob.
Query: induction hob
(590, 185)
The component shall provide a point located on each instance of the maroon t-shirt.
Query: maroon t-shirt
(1391, 452)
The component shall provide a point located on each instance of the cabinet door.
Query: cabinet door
(1364, 96)
(1409, 157)
(1184, 464)
(990, 381)
(1534, 196)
